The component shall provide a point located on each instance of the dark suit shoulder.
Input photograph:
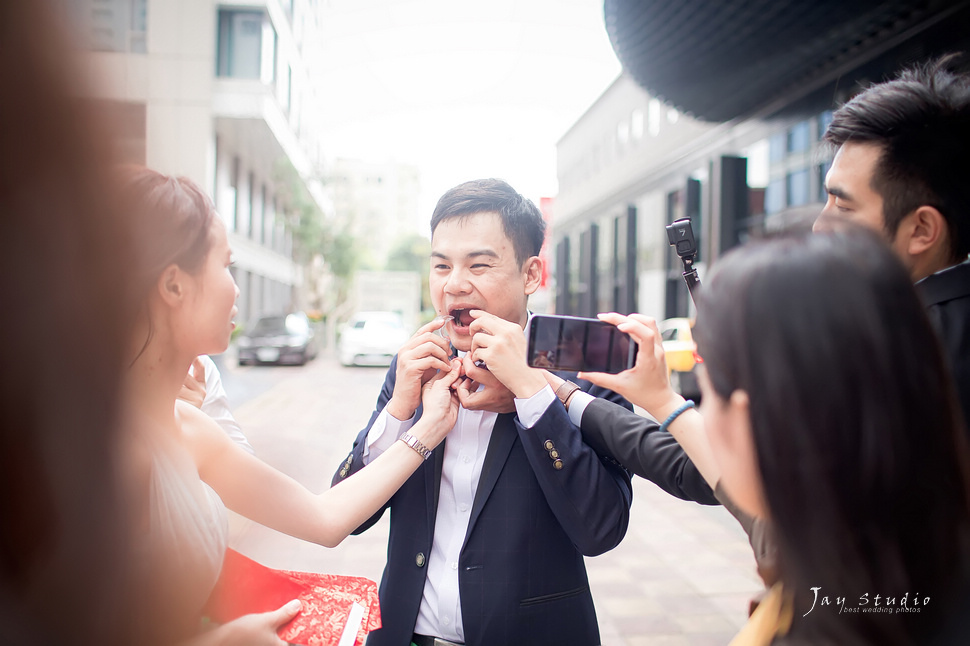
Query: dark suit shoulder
(946, 285)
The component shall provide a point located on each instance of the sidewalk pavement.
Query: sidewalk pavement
(682, 576)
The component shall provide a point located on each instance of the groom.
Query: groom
(487, 538)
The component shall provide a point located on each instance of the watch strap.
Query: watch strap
(565, 391)
(416, 444)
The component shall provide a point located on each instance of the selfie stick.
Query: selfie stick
(681, 236)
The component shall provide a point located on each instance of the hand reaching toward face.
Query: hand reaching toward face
(440, 403)
(193, 388)
(418, 361)
(493, 396)
(501, 345)
(647, 383)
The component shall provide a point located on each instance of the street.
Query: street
(682, 576)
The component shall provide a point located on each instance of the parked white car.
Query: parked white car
(371, 339)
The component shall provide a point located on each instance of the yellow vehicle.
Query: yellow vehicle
(681, 354)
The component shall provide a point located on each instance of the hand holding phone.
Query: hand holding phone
(647, 383)
(501, 346)
(572, 343)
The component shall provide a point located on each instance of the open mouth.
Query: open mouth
(462, 319)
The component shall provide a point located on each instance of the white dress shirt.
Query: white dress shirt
(464, 456)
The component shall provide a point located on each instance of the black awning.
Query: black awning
(721, 59)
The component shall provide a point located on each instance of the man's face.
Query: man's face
(473, 266)
(851, 197)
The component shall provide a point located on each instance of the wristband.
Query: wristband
(674, 415)
(415, 444)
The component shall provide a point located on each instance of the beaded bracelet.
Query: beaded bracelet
(674, 415)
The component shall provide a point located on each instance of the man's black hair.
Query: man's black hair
(921, 121)
(521, 219)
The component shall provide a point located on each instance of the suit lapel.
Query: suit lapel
(503, 436)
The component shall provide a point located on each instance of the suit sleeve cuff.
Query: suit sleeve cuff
(530, 410)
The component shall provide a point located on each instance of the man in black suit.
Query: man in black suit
(902, 168)
(487, 539)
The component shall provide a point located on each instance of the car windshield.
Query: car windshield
(270, 325)
(383, 325)
(291, 324)
(376, 322)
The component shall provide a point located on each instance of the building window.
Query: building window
(822, 170)
(240, 47)
(623, 132)
(797, 183)
(824, 119)
(775, 196)
(799, 137)
(117, 25)
(285, 94)
(653, 117)
(758, 164)
(636, 124)
(233, 214)
(269, 53)
(776, 147)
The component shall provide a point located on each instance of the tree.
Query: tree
(328, 256)
(413, 253)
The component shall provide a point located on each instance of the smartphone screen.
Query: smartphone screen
(572, 343)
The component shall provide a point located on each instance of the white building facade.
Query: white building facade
(223, 94)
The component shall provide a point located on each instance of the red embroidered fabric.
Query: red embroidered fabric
(246, 586)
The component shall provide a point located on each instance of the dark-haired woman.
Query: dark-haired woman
(187, 465)
(827, 412)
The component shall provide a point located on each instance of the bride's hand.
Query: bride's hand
(440, 403)
(260, 629)
(250, 630)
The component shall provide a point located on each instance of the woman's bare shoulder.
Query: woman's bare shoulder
(198, 431)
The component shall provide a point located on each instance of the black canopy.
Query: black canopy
(721, 59)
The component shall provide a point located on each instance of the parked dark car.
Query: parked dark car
(286, 338)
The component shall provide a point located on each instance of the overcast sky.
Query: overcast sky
(462, 89)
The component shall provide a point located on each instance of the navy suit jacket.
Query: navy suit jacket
(521, 573)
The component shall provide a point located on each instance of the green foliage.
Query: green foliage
(413, 253)
(300, 212)
(312, 234)
(341, 254)
(410, 254)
